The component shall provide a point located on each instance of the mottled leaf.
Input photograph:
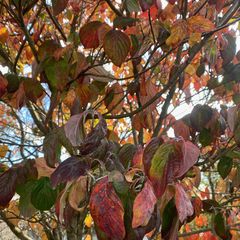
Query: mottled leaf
(3, 150)
(158, 170)
(183, 203)
(200, 24)
(70, 169)
(143, 206)
(117, 45)
(107, 210)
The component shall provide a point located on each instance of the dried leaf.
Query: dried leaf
(200, 24)
(42, 168)
(3, 150)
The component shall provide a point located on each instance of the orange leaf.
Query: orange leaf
(178, 33)
(200, 24)
(3, 35)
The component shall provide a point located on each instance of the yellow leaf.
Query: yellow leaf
(88, 237)
(194, 38)
(88, 221)
(200, 24)
(178, 33)
(3, 35)
(190, 69)
(3, 150)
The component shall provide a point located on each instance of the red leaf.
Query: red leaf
(183, 203)
(143, 206)
(107, 210)
(137, 161)
(89, 34)
(181, 129)
(190, 156)
(117, 45)
(3, 85)
(59, 6)
(220, 5)
(146, 4)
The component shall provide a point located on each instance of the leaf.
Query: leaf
(200, 116)
(137, 160)
(146, 4)
(43, 196)
(132, 6)
(229, 50)
(18, 98)
(181, 129)
(114, 98)
(47, 49)
(3, 150)
(205, 137)
(224, 166)
(200, 24)
(76, 133)
(148, 153)
(33, 89)
(3, 35)
(157, 173)
(52, 148)
(25, 206)
(57, 73)
(178, 33)
(3, 85)
(89, 34)
(183, 203)
(107, 210)
(220, 227)
(77, 193)
(70, 169)
(100, 74)
(123, 22)
(59, 6)
(190, 157)
(117, 45)
(143, 206)
(8, 182)
(42, 168)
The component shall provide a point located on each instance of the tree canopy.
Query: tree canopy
(120, 119)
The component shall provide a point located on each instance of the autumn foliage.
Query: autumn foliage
(120, 119)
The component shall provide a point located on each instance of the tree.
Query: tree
(91, 141)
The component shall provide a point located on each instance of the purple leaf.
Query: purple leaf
(70, 169)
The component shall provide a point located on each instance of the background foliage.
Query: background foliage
(120, 119)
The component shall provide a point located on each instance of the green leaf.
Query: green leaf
(160, 159)
(43, 196)
(219, 225)
(132, 5)
(205, 137)
(25, 190)
(122, 22)
(116, 45)
(57, 73)
(225, 166)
